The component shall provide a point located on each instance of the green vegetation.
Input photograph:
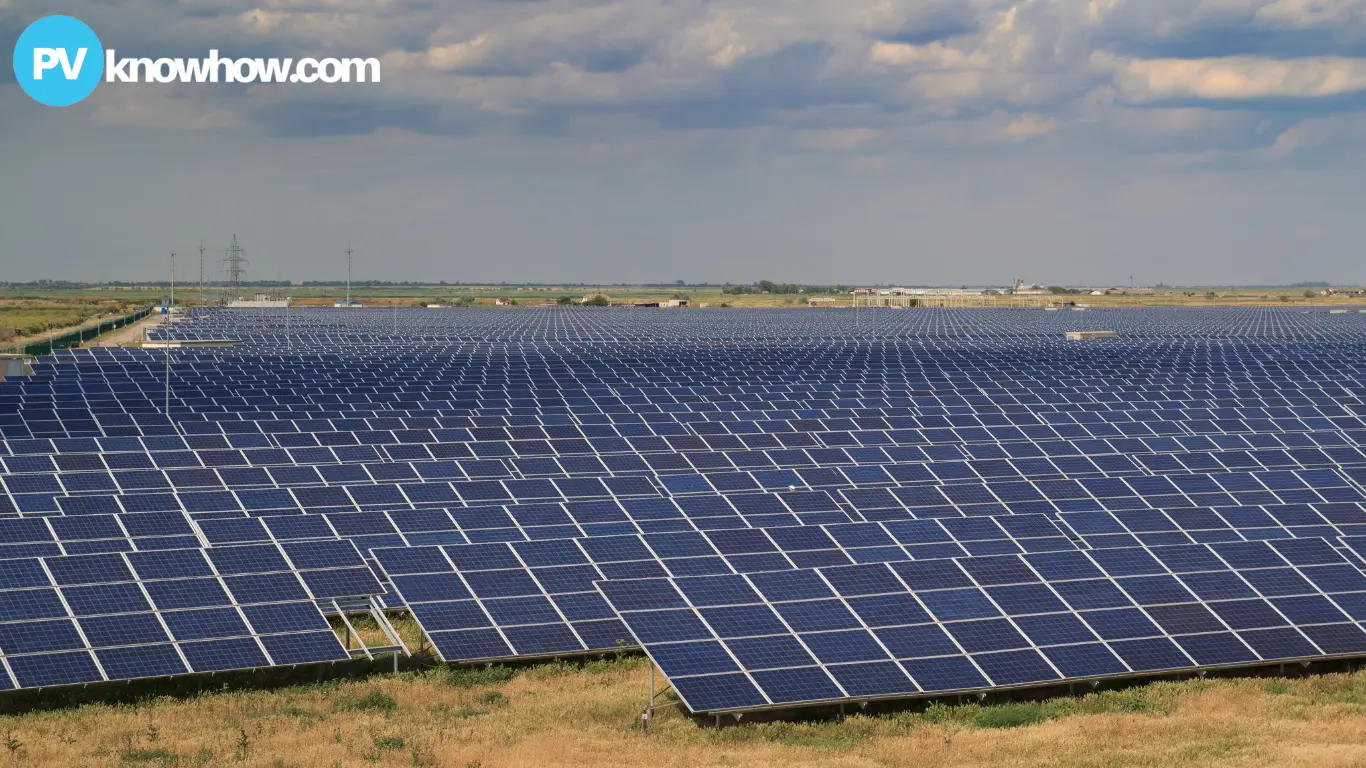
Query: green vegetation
(764, 293)
(20, 318)
(375, 701)
(769, 287)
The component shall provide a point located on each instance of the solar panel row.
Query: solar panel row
(91, 618)
(923, 628)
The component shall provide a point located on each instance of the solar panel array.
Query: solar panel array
(879, 631)
(92, 618)
(512, 475)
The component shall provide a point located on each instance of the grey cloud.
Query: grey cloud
(531, 66)
(820, 140)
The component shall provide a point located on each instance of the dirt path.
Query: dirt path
(104, 341)
(128, 333)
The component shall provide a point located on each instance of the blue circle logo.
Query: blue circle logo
(58, 60)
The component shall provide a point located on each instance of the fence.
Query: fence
(78, 336)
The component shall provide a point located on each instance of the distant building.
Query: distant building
(347, 304)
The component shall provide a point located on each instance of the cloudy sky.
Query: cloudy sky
(900, 141)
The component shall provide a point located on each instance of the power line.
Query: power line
(236, 265)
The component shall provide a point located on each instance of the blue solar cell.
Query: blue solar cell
(205, 624)
(304, 648)
(49, 669)
(265, 588)
(945, 673)
(187, 593)
(143, 661)
(718, 692)
(543, 639)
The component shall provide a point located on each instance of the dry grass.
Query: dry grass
(22, 318)
(370, 633)
(561, 715)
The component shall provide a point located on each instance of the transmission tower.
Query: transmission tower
(237, 265)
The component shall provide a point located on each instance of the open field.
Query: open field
(557, 714)
(712, 295)
(24, 318)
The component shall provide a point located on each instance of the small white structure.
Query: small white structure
(674, 303)
(260, 303)
(344, 304)
(15, 365)
(1088, 335)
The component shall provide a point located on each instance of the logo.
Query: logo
(58, 61)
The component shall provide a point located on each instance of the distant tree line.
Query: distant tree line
(768, 286)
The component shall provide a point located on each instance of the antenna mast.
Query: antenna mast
(236, 265)
(348, 274)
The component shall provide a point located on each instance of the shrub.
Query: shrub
(375, 701)
(1011, 716)
(472, 677)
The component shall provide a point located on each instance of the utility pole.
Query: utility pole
(169, 314)
(201, 272)
(348, 274)
(236, 265)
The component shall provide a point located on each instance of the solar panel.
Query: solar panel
(89, 618)
(793, 638)
(503, 592)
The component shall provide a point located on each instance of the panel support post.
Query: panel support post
(650, 705)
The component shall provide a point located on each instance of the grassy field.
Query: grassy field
(25, 317)
(410, 295)
(561, 715)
